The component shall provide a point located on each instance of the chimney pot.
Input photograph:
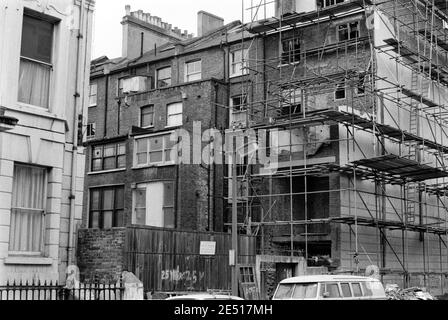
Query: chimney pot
(128, 10)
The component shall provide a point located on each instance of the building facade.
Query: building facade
(44, 47)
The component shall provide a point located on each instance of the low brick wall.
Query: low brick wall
(101, 253)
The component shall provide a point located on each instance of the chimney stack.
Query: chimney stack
(208, 22)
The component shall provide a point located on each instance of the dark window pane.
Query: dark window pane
(94, 220)
(95, 200)
(168, 194)
(333, 290)
(121, 161)
(119, 198)
(155, 157)
(119, 219)
(108, 199)
(37, 39)
(356, 289)
(169, 219)
(346, 290)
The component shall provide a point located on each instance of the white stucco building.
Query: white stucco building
(44, 83)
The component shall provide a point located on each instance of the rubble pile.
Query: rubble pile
(393, 292)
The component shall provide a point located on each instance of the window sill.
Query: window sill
(39, 111)
(237, 75)
(288, 64)
(29, 260)
(106, 171)
(155, 166)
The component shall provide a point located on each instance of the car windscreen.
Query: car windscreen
(284, 291)
(305, 291)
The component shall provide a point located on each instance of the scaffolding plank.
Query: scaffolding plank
(402, 168)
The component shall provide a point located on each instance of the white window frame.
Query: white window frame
(188, 76)
(44, 217)
(49, 65)
(240, 66)
(168, 115)
(93, 104)
(333, 3)
(144, 186)
(164, 149)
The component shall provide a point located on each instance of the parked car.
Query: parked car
(205, 296)
(330, 287)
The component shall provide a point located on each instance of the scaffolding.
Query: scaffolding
(380, 146)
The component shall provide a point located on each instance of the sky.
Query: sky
(181, 13)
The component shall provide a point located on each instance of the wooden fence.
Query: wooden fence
(170, 261)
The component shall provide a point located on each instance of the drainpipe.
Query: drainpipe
(79, 77)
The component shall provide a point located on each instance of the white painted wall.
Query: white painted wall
(43, 137)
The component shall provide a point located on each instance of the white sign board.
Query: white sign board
(208, 248)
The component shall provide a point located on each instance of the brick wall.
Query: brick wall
(101, 253)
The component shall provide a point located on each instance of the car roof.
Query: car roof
(326, 278)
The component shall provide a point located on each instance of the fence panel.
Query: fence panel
(170, 261)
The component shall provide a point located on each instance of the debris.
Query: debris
(393, 292)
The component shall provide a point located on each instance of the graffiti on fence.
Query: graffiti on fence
(187, 276)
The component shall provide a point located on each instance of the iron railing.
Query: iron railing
(37, 290)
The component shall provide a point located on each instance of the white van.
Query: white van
(330, 287)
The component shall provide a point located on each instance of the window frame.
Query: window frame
(101, 209)
(103, 157)
(144, 186)
(92, 125)
(148, 151)
(234, 64)
(189, 75)
(349, 31)
(91, 105)
(287, 95)
(153, 116)
(168, 115)
(341, 86)
(51, 66)
(332, 3)
(290, 57)
(43, 214)
(159, 79)
(243, 106)
(352, 284)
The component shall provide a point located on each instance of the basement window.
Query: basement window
(348, 31)
(290, 51)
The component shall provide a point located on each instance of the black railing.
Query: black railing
(38, 290)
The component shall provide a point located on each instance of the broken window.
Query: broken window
(348, 31)
(291, 102)
(239, 103)
(340, 93)
(290, 51)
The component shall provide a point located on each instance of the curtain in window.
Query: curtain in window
(28, 203)
(34, 83)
